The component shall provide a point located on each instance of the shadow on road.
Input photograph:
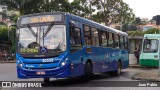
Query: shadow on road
(77, 82)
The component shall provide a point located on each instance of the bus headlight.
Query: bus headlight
(19, 63)
(64, 62)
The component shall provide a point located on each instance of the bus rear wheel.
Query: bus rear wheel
(45, 80)
(88, 72)
(118, 71)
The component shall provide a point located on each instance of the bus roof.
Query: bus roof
(95, 24)
(152, 35)
(89, 22)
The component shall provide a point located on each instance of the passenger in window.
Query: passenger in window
(148, 46)
(72, 41)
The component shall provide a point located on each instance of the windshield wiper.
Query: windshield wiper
(32, 31)
(48, 29)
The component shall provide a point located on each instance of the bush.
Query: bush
(141, 33)
(3, 36)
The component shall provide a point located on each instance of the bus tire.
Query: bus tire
(116, 72)
(88, 72)
(45, 80)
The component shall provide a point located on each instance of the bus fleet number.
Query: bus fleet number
(47, 60)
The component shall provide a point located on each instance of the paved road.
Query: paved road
(8, 73)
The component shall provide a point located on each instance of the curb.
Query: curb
(7, 61)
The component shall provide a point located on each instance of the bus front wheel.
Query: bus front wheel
(88, 72)
(45, 80)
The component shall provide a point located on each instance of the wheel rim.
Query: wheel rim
(119, 68)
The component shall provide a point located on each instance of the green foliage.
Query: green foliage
(110, 11)
(135, 33)
(13, 39)
(2, 23)
(105, 11)
(152, 31)
(3, 36)
(137, 20)
(127, 27)
(141, 33)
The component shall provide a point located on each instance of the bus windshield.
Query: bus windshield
(150, 45)
(42, 39)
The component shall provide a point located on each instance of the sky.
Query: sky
(144, 8)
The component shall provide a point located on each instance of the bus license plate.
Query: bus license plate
(41, 73)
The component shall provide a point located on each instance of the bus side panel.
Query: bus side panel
(102, 63)
(124, 59)
(149, 59)
(117, 54)
(112, 59)
(77, 66)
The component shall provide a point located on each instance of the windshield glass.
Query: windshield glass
(150, 45)
(42, 39)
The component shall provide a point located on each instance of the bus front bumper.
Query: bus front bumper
(59, 72)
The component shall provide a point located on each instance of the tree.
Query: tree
(110, 11)
(151, 31)
(24, 6)
(13, 39)
(15, 4)
(137, 21)
(88, 8)
(127, 27)
(78, 8)
(157, 19)
(3, 36)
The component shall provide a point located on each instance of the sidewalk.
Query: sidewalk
(134, 65)
(147, 75)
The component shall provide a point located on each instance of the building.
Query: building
(3, 8)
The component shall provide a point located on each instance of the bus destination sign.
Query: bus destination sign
(41, 19)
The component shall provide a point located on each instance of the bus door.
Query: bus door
(76, 51)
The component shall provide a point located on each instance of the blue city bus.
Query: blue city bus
(62, 45)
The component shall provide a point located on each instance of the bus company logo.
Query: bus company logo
(40, 66)
(20, 84)
(6, 84)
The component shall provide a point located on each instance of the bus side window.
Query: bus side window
(95, 37)
(125, 42)
(103, 38)
(121, 42)
(75, 39)
(117, 41)
(110, 40)
(87, 35)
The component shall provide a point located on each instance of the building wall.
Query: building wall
(135, 43)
